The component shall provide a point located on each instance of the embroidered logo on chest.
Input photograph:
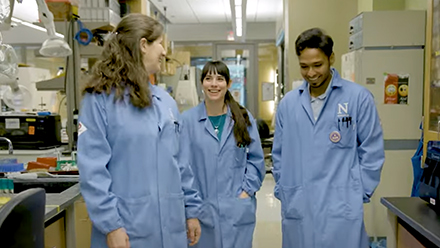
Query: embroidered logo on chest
(343, 109)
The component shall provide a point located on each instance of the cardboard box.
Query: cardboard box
(62, 10)
(55, 235)
(83, 225)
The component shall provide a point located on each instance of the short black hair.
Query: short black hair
(314, 38)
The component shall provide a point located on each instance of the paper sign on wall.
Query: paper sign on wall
(268, 91)
(396, 89)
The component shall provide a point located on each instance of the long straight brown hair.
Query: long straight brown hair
(239, 113)
(121, 66)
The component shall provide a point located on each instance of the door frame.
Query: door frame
(252, 81)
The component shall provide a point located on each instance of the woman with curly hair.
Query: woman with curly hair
(133, 174)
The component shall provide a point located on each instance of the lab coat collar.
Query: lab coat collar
(202, 113)
(336, 82)
(155, 93)
(227, 128)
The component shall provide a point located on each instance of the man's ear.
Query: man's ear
(332, 59)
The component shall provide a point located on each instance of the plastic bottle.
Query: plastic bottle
(60, 71)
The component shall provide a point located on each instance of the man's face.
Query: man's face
(315, 66)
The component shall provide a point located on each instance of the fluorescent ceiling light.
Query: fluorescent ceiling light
(238, 2)
(27, 24)
(238, 23)
(238, 11)
(239, 32)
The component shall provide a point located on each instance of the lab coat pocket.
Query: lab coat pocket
(292, 202)
(240, 156)
(176, 212)
(345, 202)
(170, 133)
(245, 210)
(138, 216)
(342, 136)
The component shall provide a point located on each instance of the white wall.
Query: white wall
(219, 31)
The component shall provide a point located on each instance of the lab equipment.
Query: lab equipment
(10, 148)
(187, 93)
(10, 165)
(54, 46)
(31, 130)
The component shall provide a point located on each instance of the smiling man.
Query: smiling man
(327, 152)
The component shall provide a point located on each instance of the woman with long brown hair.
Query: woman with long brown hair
(137, 192)
(227, 159)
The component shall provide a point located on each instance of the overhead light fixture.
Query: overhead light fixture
(239, 32)
(238, 10)
(239, 27)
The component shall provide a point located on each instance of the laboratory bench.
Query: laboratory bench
(24, 156)
(67, 224)
(414, 223)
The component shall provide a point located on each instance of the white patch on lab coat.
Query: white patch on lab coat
(81, 128)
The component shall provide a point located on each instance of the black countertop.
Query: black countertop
(417, 214)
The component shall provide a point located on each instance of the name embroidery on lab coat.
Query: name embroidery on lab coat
(335, 136)
(343, 108)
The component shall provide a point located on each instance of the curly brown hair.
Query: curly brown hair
(121, 66)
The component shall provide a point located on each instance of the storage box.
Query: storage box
(62, 10)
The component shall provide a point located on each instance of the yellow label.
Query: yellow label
(30, 120)
(4, 200)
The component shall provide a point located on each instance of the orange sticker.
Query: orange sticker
(31, 130)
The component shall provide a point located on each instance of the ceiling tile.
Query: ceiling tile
(178, 11)
(217, 11)
(268, 10)
(208, 11)
(251, 10)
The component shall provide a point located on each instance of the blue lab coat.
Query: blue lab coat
(130, 175)
(322, 184)
(221, 172)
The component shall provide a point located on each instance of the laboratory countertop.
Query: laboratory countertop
(417, 214)
(33, 152)
(56, 203)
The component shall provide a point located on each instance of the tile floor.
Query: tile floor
(268, 229)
